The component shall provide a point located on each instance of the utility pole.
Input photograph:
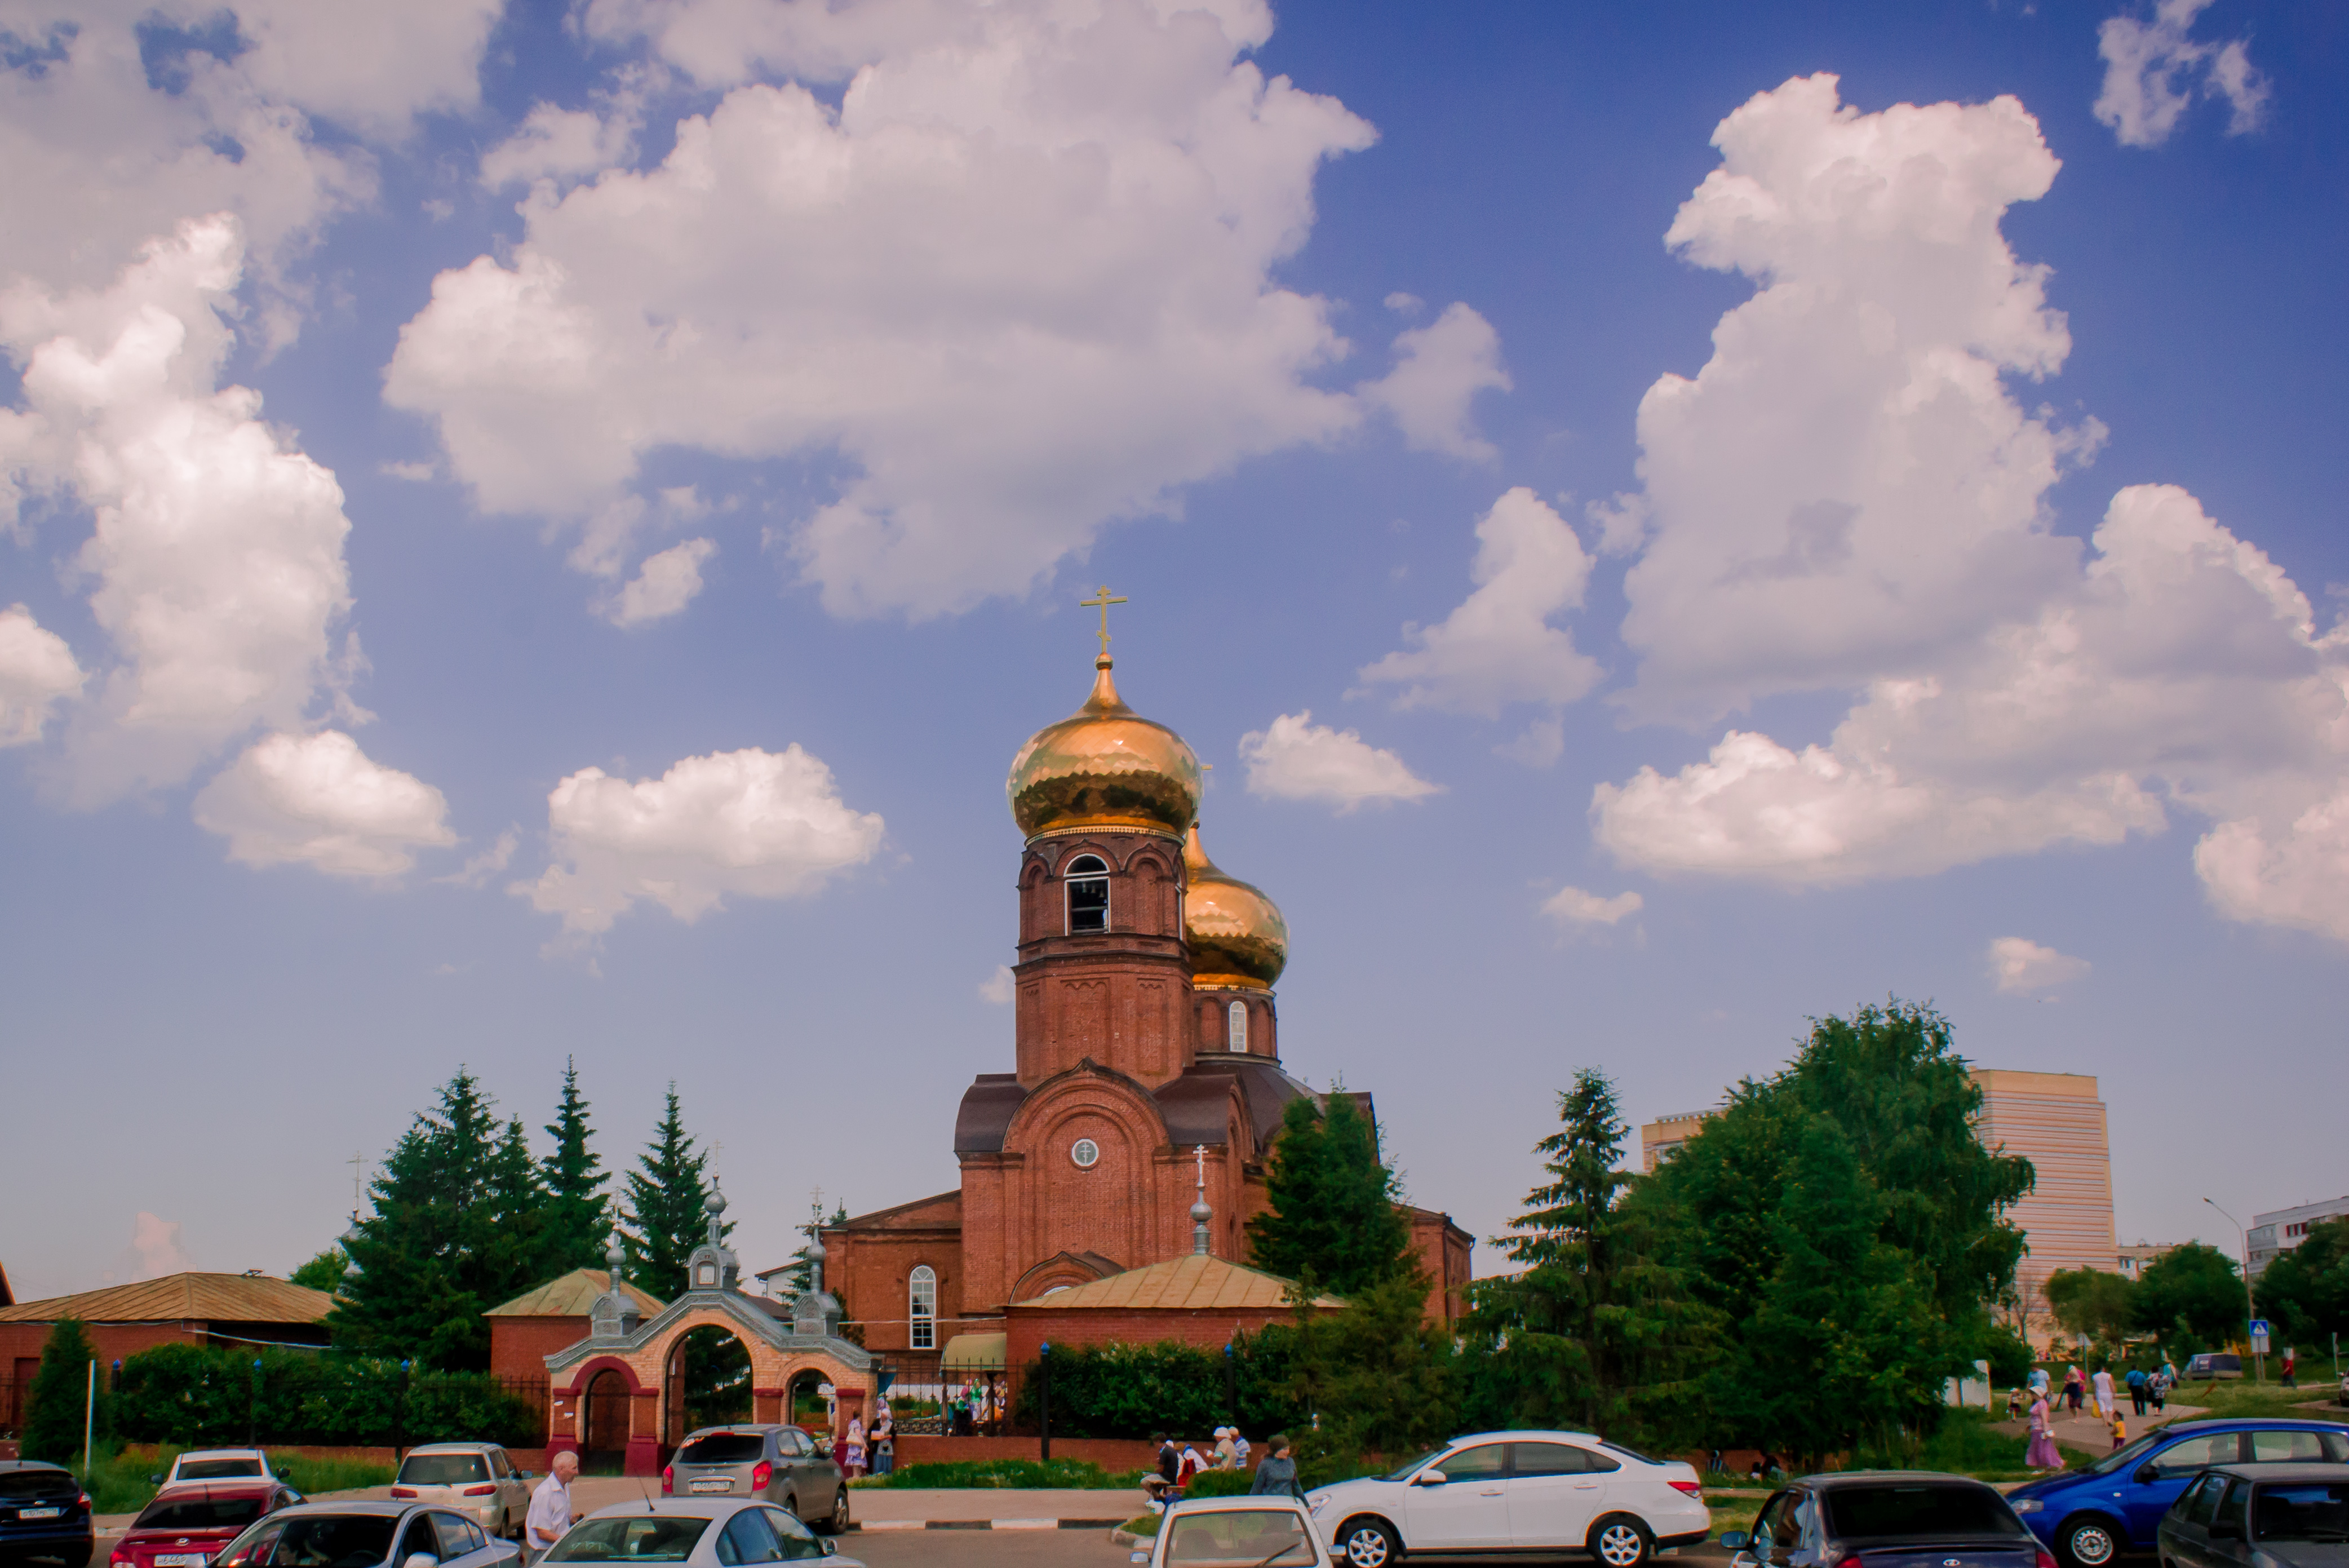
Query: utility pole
(2250, 1308)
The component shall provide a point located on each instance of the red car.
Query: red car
(187, 1524)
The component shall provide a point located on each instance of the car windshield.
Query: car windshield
(17, 1485)
(199, 1513)
(2311, 1511)
(1404, 1471)
(632, 1538)
(723, 1449)
(444, 1470)
(2122, 1459)
(332, 1541)
(1240, 1538)
(217, 1470)
(1897, 1512)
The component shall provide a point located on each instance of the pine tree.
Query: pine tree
(578, 1209)
(666, 1219)
(511, 1236)
(1334, 1202)
(52, 1426)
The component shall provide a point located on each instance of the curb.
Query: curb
(882, 1524)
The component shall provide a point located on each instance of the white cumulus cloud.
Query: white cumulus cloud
(36, 671)
(754, 824)
(1295, 758)
(2153, 71)
(1439, 370)
(1020, 280)
(554, 143)
(2021, 966)
(1574, 907)
(156, 1248)
(318, 800)
(996, 989)
(1498, 647)
(664, 585)
(217, 547)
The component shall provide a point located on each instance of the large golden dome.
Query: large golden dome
(1236, 934)
(1105, 765)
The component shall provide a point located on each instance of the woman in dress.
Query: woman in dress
(2041, 1454)
(882, 1442)
(851, 1459)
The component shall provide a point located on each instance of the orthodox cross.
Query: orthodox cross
(359, 1182)
(1102, 604)
(1202, 1153)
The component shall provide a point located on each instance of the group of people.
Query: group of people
(872, 1450)
(1176, 1466)
(2099, 1393)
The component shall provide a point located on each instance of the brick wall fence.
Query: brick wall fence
(1112, 1454)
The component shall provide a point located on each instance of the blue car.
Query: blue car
(2113, 1507)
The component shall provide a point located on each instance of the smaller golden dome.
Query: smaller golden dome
(1237, 935)
(1105, 765)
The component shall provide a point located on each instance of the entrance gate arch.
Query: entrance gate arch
(643, 1353)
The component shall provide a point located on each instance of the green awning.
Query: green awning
(973, 1353)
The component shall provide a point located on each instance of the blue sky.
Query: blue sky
(539, 530)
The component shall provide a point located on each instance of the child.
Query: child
(2120, 1427)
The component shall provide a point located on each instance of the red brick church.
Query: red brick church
(1147, 1048)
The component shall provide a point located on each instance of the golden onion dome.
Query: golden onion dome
(1236, 934)
(1105, 765)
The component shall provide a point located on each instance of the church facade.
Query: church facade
(1146, 1076)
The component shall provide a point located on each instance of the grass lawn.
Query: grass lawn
(119, 1483)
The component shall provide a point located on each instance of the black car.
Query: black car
(1898, 1518)
(44, 1512)
(2259, 1516)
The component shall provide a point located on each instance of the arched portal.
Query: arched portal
(806, 1402)
(604, 1424)
(705, 1382)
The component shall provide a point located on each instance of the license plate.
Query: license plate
(39, 1512)
(180, 1560)
(714, 1484)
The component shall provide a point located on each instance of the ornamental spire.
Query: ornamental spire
(1102, 604)
(1200, 1212)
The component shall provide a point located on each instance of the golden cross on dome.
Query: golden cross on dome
(1102, 604)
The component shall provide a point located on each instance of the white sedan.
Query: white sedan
(1502, 1492)
(1270, 1531)
(699, 1531)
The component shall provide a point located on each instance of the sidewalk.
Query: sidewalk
(2086, 1432)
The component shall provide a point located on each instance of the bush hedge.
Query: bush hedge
(1135, 1390)
(195, 1394)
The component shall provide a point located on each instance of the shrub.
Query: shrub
(1004, 1473)
(53, 1427)
(1134, 1390)
(195, 1394)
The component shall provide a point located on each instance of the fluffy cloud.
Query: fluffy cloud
(996, 989)
(2020, 966)
(318, 800)
(1439, 370)
(2153, 71)
(664, 585)
(1499, 647)
(1020, 280)
(217, 549)
(1295, 758)
(1847, 487)
(156, 1247)
(37, 670)
(1572, 906)
(760, 825)
(555, 143)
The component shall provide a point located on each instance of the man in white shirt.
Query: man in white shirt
(549, 1507)
(2101, 1385)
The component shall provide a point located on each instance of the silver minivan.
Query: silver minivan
(777, 1463)
(477, 1479)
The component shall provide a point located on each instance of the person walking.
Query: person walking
(2042, 1455)
(2101, 1383)
(2291, 1367)
(549, 1507)
(1275, 1476)
(883, 1440)
(1227, 1456)
(2137, 1381)
(851, 1460)
(2075, 1388)
(2157, 1388)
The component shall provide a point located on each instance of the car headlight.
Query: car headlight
(2030, 1505)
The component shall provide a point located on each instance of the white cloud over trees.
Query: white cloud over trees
(2019, 966)
(319, 801)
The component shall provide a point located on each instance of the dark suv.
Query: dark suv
(44, 1512)
(2115, 1506)
(777, 1463)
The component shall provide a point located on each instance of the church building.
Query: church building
(1147, 1079)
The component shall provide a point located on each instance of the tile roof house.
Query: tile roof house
(1199, 1300)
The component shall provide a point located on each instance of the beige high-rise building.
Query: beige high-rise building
(2055, 1121)
(1666, 1134)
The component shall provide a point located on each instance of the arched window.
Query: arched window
(1088, 879)
(922, 1307)
(1235, 1032)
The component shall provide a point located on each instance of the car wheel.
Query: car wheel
(1368, 1544)
(791, 1507)
(2087, 1543)
(838, 1522)
(1620, 1542)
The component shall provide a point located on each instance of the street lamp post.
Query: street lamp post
(2251, 1309)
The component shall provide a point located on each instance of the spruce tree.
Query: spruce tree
(578, 1209)
(1334, 1202)
(54, 1425)
(665, 1217)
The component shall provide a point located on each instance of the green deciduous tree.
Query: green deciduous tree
(2306, 1291)
(578, 1211)
(665, 1217)
(2096, 1303)
(54, 1425)
(2192, 1297)
(324, 1271)
(1379, 1375)
(1332, 1202)
(1592, 1331)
